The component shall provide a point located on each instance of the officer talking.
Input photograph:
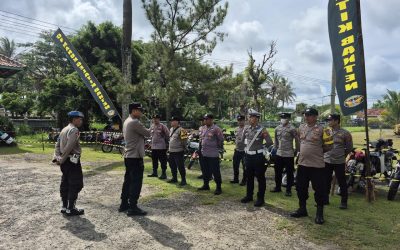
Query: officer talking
(336, 158)
(159, 143)
(134, 135)
(177, 146)
(238, 155)
(285, 133)
(314, 141)
(67, 154)
(212, 143)
(253, 138)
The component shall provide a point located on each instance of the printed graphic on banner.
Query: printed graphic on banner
(346, 41)
(91, 82)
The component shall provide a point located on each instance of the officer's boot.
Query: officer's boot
(72, 210)
(64, 205)
(301, 212)
(134, 210)
(343, 203)
(183, 179)
(218, 190)
(235, 179)
(205, 186)
(174, 177)
(260, 200)
(319, 218)
(124, 205)
(163, 175)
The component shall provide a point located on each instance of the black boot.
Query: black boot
(246, 199)
(218, 190)
(124, 205)
(343, 203)
(72, 210)
(173, 180)
(243, 182)
(154, 174)
(235, 180)
(183, 182)
(260, 200)
(319, 218)
(288, 193)
(204, 187)
(64, 205)
(134, 210)
(163, 175)
(301, 212)
(276, 190)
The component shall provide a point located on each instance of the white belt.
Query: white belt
(260, 151)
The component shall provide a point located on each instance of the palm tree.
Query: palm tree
(392, 103)
(274, 84)
(7, 47)
(286, 92)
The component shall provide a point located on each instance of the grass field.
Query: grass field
(363, 226)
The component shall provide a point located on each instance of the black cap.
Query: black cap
(175, 118)
(208, 116)
(285, 115)
(135, 105)
(157, 116)
(335, 117)
(311, 111)
(240, 117)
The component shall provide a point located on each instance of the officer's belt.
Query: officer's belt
(260, 151)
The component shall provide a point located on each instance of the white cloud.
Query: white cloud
(312, 23)
(313, 51)
(378, 69)
(246, 35)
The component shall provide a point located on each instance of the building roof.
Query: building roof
(371, 113)
(9, 67)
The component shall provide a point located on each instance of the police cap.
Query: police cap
(73, 114)
(311, 111)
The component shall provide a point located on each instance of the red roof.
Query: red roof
(371, 113)
(8, 66)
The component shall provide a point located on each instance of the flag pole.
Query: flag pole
(369, 187)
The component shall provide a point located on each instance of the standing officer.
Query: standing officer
(285, 133)
(159, 140)
(134, 134)
(212, 143)
(238, 155)
(253, 137)
(67, 154)
(177, 146)
(314, 141)
(335, 159)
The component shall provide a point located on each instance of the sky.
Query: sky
(299, 27)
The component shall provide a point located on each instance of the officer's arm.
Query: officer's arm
(276, 145)
(72, 138)
(296, 139)
(348, 143)
(57, 151)
(220, 138)
(267, 138)
(166, 132)
(142, 130)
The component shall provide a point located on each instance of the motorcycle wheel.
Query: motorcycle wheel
(106, 148)
(394, 186)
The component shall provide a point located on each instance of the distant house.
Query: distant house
(371, 113)
(9, 67)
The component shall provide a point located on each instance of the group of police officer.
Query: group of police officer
(319, 151)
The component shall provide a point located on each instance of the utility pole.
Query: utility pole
(126, 53)
(333, 87)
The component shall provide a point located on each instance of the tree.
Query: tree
(7, 47)
(17, 103)
(126, 52)
(392, 103)
(285, 92)
(258, 74)
(183, 30)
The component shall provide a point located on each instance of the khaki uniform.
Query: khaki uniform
(177, 146)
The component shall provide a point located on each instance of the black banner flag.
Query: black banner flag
(91, 82)
(345, 34)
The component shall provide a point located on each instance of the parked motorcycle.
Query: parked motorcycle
(113, 142)
(394, 182)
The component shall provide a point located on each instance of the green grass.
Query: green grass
(363, 226)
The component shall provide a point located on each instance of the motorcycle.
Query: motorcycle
(382, 157)
(112, 142)
(394, 182)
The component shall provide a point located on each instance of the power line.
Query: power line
(37, 20)
(20, 30)
(8, 22)
(22, 33)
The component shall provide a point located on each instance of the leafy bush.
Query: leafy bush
(24, 129)
(6, 124)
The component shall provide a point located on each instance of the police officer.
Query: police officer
(159, 143)
(314, 141)
(177, 146)
(253, 138)
(134, 135)
(336, 158)
(238, 155)
(285, 133)
(201, 162)
(67, 154)
(211, 144)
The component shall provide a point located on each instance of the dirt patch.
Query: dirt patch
(30, 218)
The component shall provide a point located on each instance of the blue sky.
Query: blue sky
(299, 27)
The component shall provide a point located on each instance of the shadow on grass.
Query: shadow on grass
(102, 169)
(83, 229)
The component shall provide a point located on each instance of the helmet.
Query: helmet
(73, 114)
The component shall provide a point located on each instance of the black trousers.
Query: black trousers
(280, 164)
(317, 178)
(159, 155)
(212, 168)
(238, 157)
(255, 168)
(133, 180)
(177, 163)
(340, 176)
(71, 180)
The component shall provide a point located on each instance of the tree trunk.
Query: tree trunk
(126, 53)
